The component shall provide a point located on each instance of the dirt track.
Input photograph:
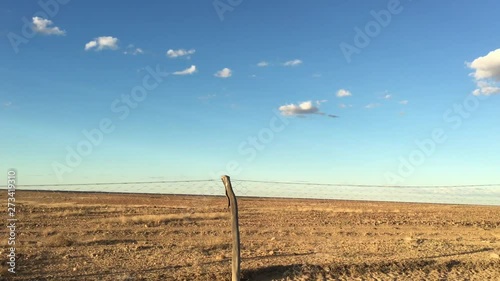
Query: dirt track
(84, 236)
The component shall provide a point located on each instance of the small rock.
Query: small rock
(271, 253)
(494, 256)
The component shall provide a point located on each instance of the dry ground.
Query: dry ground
(89, 236)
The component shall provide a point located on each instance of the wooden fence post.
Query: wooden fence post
(233, 204)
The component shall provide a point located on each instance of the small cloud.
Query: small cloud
(316, 75)
(180, 53)
(102, 43)
(302, 109)
(187, 71)
(387, 96)
(42, 26)
(7, 104)
(132, 50)
(404, 102)
(294, 62)
(253, 76)
(372, 105)
(224, 73)
(343, 93)
(263, 64)
(486, 88)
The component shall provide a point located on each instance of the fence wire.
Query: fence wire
(482, 194)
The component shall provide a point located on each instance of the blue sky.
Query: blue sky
(197, 121)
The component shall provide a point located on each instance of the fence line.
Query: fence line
(260, 181)
(477, 194)
(370, 185)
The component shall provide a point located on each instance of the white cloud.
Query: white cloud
(90, 45)
(404, 102)
(386, 97)
(132, 50)
(7, 104)
(486, 88)
(293, 62)
(224, 73)
(343, 93)
(486, 73)
(103, 42)
(303, 108)
(41, 25)
(487, 67)
(187, 71)
(180, 53)
(263, 64)
(372, 105)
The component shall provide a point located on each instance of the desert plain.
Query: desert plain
(106, 236)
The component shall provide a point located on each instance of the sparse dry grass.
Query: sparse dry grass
(104, 237)
(162, 219)
(59, 240)
(49, 232)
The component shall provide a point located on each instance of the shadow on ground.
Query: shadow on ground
(340, 270)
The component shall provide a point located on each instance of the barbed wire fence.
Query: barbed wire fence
(476, 194)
